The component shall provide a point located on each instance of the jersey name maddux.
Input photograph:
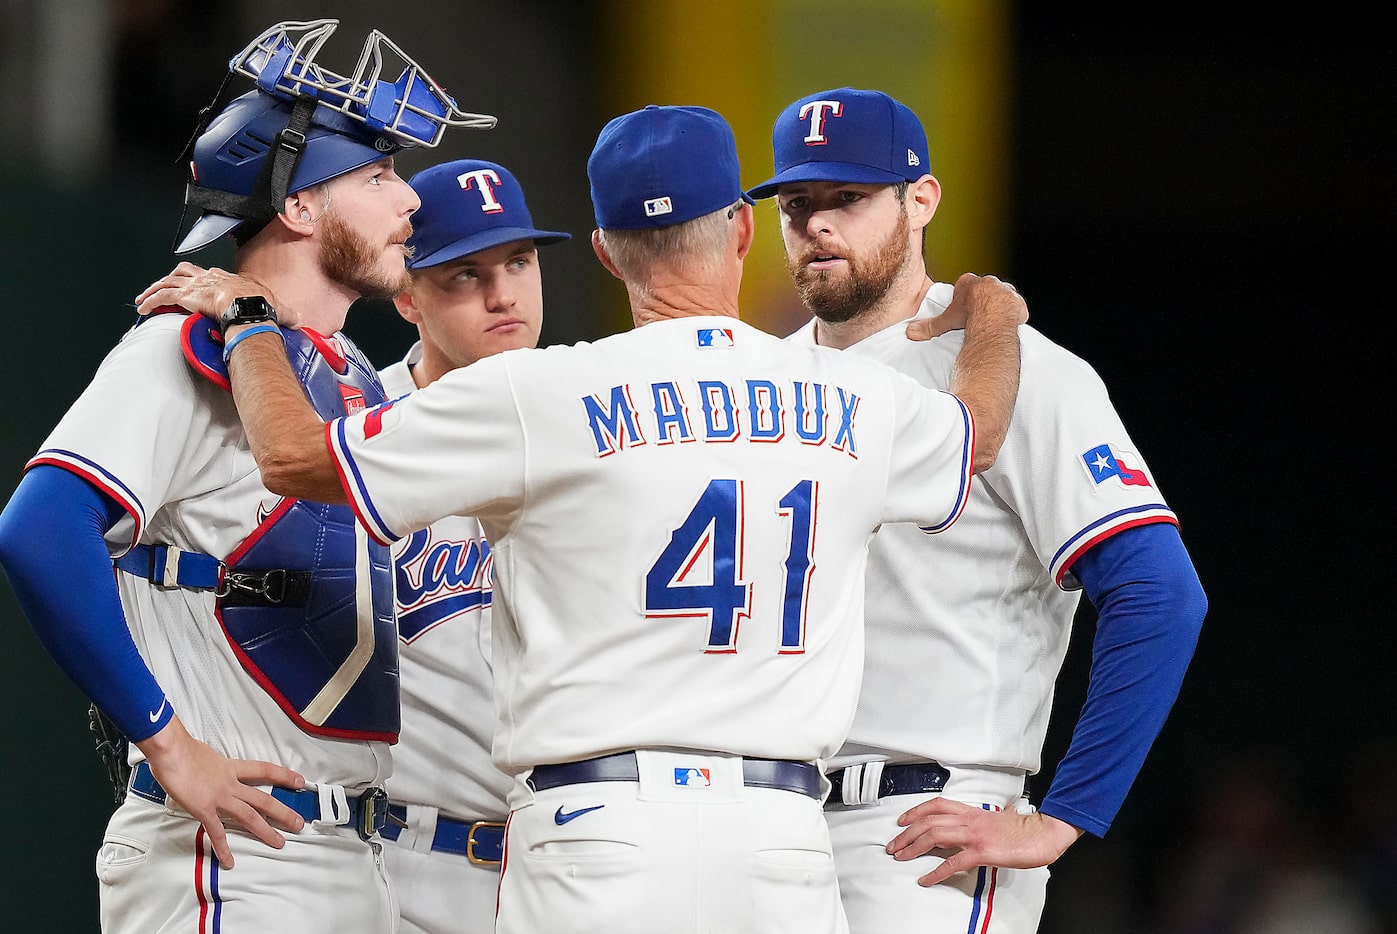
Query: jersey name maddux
(770, 412)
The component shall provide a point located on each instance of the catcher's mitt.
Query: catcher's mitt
(111, 746)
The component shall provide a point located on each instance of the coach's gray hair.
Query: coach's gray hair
(695, 246)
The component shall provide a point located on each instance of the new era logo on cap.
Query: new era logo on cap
(846, 136)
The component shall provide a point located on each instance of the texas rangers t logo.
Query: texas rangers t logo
(815, 111)
(485, 181)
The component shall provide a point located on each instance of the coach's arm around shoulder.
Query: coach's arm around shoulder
(986, 376)
(286, 434)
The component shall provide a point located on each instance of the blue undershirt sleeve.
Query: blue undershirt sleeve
(53, 551)
(1150, 607)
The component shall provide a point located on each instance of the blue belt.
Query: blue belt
(917, 778)
(781, 774)
(481, 841)
(367, 812)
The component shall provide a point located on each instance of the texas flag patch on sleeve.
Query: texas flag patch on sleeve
(1104, 462)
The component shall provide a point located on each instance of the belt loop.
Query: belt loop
(171, 566)
(872, 781)
(851, 784)
(422, 824)
(334, 806)
(860, 783)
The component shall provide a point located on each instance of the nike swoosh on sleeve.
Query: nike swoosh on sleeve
(155, 714)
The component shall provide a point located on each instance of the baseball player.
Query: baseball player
(475, 291)
(967, 630)
(678, 516)
(244, 641)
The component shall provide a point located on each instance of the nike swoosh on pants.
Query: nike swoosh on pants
(562, 817)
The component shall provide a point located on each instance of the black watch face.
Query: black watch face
(249, 309)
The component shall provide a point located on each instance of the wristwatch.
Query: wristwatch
(247, 309)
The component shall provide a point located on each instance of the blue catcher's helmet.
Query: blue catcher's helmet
(305, 125)
(230, 156)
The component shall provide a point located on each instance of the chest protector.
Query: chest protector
(306, 601)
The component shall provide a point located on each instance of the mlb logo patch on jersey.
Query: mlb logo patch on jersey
(1104, 462)
(654, 207)
(694, 778)
(715, 337)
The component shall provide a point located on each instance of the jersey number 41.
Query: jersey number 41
(713, 534)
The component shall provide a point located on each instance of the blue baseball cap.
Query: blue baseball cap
(846, 135)
(663, 166)
(467, 206)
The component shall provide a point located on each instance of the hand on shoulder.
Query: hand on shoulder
(981, 296)
(208, 292)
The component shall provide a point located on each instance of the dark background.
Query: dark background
(1205, 212)
(1202, 207)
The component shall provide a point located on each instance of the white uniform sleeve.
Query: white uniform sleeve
(1068, 467)
(932, 456)
(456, 447)
(141, 429)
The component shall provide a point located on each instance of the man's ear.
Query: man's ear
(599, 248)
(746, 221)
(406, 304)
(303, 209)
(923, 196)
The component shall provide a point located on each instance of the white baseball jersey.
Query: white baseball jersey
(167, 445)
(982, 613)
(679, 517)
(442, 587)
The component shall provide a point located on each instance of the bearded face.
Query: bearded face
(352, 260)
(838, 295)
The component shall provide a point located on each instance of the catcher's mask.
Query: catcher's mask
(304, 125)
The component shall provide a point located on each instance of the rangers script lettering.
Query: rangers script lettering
(615, 423)
(439, 579)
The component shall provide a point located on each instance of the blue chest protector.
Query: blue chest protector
(306, 600)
